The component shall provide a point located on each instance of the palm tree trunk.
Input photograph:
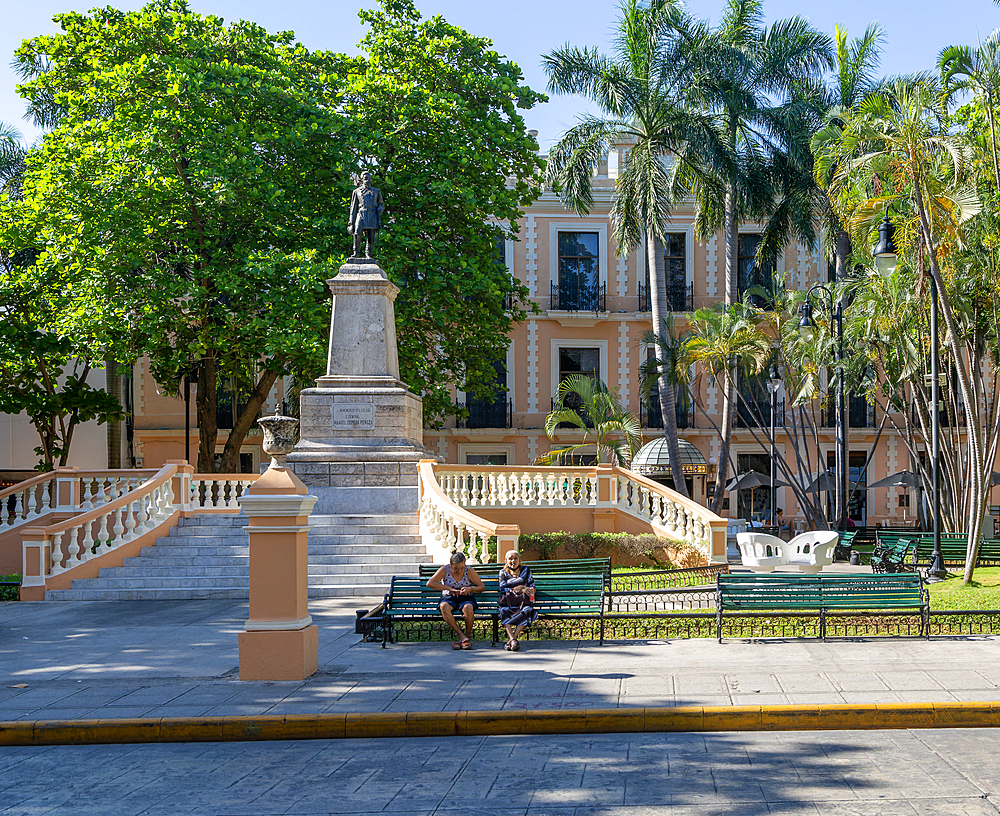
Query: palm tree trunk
(664, 385)
(730, 385)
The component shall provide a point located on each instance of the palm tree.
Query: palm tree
(588, 404)
(750, 81)
(897, 149)
(728, 341)
(641, 95)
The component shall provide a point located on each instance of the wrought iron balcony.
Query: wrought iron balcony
(652, 417)
(572, 296)
(758, 414)
(679, 298)
(497, 413)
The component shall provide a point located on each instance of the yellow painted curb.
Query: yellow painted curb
(837, 717)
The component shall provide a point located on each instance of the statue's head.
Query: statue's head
(366, 179)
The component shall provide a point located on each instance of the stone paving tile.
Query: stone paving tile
(760, 699)
(908, 681)
(753, 683)
(700, 685)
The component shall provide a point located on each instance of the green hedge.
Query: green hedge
(598, 545)
(9, 593)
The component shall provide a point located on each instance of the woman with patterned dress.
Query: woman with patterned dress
(517, 598)
(457, 583)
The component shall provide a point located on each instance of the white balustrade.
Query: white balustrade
(123, 516)
(446, 527)
(667, 512)
(28, 500)
(220, 490)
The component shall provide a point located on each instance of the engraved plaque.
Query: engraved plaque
(353, 416)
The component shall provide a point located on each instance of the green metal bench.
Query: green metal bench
(556, 596)
(891, 556)
(953, 547)
(749, 594)
(409, 598)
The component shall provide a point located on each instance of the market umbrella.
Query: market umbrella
(827, 482)
(904, 478)
(753, 479)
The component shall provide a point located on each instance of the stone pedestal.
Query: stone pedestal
(280, 641)
(361, 429)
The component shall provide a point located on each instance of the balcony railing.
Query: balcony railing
(859, 414)
(651, 417)
(488, 414)
(758, 414)
(679, 298)
(572, 296)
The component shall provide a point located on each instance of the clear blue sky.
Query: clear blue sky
(916, 31)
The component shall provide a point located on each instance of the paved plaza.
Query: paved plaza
(175, 659)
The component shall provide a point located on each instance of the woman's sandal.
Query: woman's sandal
(456, 645)
(508, 644)
(465, 645)
(514, 645)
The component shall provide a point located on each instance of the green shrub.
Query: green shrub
(620, 546)
(9, 593)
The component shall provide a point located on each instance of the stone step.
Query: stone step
(213, 520)
(179, 572)
(375, 529)
(365, 549)
(389, 558)
(206, 530)
(193, 551)
(361, 521)
(364, 539)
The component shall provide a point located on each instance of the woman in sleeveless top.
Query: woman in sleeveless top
(457, 582)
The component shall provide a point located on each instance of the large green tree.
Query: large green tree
(438, 111)
(192, 194)
(641, 95)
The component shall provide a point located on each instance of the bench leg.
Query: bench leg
(822, 625)
(496, 629)
(718, 623)
(602, 627)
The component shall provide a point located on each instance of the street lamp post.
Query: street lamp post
(773, 385)
(885, 262)
(806, 329)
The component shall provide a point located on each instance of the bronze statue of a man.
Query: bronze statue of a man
(366, 215)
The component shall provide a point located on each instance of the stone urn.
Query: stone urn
(279, 437)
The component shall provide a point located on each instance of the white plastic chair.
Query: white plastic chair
(761, 552)
(811, 551)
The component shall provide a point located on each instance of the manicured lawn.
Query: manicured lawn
(982, 593)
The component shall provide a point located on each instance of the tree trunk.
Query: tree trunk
(664, 383)
(729, 387)
(205, 405)
(114, 386)
(247, 417)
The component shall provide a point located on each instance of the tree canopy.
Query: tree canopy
(191, 195)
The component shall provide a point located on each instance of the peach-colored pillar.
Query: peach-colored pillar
(280, 642)
(507, 540)
(35, 562)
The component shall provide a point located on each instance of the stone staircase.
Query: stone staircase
(208, 557)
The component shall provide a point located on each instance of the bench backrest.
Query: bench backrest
(583, 594)
(573, 594)
(411, 593)
(788, 592)
(552, 566)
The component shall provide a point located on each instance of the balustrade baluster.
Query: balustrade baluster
(73, 550)
(129, 517)
(87, 544)
(47, 496)
(463, 491)
(119, 528)
(103, 540)
(55, 564)
(18, 507)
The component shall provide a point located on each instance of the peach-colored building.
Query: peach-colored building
(594, 309)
